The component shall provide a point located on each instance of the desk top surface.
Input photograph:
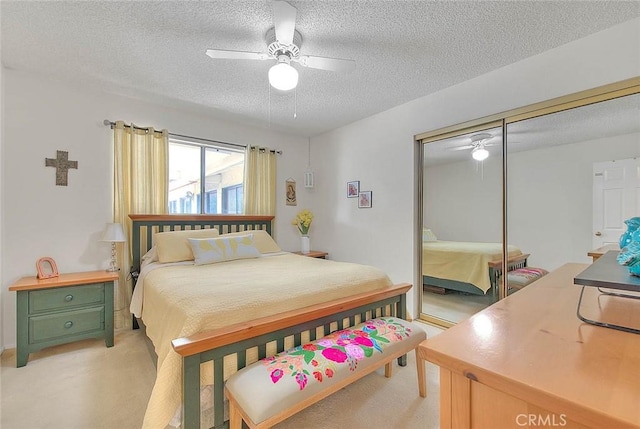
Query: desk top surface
(606, 272)
(532, 343)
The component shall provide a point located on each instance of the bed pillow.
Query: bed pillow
(174, 247)
(221, 249)
(263, 241)
(428, 235)
(149, 257)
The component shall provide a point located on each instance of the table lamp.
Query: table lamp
(113, 233)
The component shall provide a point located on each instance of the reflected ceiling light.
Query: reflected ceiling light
(283, 76)
(479, 153)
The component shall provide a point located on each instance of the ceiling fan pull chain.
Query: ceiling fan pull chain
(269, 85)
(295, 103)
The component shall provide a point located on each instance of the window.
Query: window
(232, 199)
(197, 169)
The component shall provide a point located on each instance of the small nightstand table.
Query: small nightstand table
(314, 254)
(63, 309)
(597, 253)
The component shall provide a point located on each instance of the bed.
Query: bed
(469, 267)
(206, 321)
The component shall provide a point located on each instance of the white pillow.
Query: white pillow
(213, 250)
(263, 241)
(428, 235)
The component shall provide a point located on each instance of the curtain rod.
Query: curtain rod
(111, 124)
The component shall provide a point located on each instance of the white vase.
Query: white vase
(305, 244)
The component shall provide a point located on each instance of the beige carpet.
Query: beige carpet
(84, 385)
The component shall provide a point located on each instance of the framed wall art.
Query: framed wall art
(290, 186)
(364, 199)
(353, 188)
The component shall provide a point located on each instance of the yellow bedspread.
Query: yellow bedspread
(184, 300)
(462, 261)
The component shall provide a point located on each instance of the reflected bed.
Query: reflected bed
(470, 267)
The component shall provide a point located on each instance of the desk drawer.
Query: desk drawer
(65, 297)
(52, 326)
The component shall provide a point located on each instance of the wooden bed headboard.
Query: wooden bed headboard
(145, 225)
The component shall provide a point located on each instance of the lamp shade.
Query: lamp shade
(283, 77)
(480, 153)
(113, 232)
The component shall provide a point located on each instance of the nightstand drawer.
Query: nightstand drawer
(66, 297)
(51, 326)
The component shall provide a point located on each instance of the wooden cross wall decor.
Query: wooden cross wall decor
(62, 165)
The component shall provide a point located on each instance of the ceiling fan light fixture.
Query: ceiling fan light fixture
(479, 153)
(283, 76)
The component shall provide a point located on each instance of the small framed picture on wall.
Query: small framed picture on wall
(353, 188)
(290, 185)
(364, 199)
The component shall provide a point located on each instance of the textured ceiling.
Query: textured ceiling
(606, 119)
(403, 49)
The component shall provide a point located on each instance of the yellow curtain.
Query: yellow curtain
(141, 184)
(259, 181)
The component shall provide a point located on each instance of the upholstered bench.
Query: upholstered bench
(273, 389)
(521, 277)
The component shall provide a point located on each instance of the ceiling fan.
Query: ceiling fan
(283, 45)
(478, 145)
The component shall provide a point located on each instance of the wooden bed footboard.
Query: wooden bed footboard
(513, 263)
(313, 322)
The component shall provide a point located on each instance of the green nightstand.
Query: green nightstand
(63, 309)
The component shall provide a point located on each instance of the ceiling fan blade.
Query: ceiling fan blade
(237, 55)
(470, 146)
(284, 21)
(331, 64)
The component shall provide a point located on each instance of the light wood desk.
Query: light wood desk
(596, 253)
(527, 361)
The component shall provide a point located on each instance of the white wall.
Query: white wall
(378, 150)
(65, 223)
(463, 200)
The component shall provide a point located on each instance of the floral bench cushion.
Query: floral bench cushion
(521, 277)
(272, 385)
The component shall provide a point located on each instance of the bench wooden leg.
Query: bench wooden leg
(388, 369)
(422, 378)
(235, 418)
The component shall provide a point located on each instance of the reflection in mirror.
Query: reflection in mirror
(572, 181)
(462, 224)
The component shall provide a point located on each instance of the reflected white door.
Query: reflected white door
(616, 197)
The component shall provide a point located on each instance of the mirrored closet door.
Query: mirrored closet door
(462, 223)
(572, 181)
(568, 178)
